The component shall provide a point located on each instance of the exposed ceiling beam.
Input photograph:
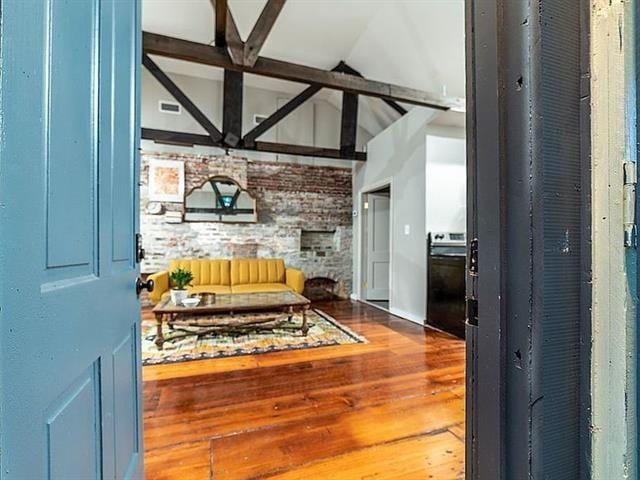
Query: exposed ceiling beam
(227, 33)
(349, 123)
(282, 112)
(221, 9)
(304, 151)
(261, 31)
(180, 96)
(190, 139)
(396, 106)
(210, 55)
(234, 42)
(232, 107)
(344, 67)
(179, 138)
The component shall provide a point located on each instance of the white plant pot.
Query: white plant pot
(177, 296)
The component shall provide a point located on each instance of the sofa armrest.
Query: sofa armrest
(295, 280)
(160, 285)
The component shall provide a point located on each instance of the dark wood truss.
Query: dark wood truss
(191, 139)
(172, 47)
(261, 30)
(237, 57)
(179, 95)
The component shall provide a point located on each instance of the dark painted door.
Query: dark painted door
(69, 318)
(529, 159)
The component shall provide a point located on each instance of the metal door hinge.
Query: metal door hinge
(473, 257)
(472, 301)
(472, 311)
(139, 250)
(629, 204)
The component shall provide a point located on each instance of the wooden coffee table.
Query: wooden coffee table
(211, 305)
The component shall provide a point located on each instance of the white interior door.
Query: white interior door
(378, 242)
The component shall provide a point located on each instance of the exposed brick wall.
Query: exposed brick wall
(285, 177)
(309, 197)
(290, 198)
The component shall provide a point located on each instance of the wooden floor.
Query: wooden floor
(389, 409)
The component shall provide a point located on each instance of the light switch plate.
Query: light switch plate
(407, 229)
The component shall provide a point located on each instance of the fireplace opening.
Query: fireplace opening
(321, 288)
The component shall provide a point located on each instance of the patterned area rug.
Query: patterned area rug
(275, 336)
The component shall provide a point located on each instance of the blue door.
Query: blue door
(69, 317)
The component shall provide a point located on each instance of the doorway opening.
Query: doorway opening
(383, 397)
(369, 389)
(376, 246)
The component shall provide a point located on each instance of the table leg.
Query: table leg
(305, 326)
(159, 335)
(290, 313)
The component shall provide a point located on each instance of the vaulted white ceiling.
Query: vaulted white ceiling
(414, 43)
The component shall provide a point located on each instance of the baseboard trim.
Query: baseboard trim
(393, 311)
(371, 304)
(407, 316)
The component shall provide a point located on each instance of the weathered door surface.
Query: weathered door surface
(378, 236)
(529, 334)
(69, 317)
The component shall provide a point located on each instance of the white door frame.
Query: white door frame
(369, 188)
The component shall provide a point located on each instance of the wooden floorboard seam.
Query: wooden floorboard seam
(265, 429)
(396, 441)
(316, 414)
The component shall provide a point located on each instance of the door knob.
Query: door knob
(140, 285)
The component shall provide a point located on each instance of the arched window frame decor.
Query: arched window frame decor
(225, 211)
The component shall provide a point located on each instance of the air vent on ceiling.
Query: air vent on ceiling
(258, 119)
(167, 106)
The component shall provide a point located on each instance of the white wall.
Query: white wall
(446, 184)
(427, 51)
(399, 155)
(315, 123)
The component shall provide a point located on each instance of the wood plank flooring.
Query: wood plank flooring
(392, 408)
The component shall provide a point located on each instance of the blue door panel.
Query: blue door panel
(124, 389)
(69, 316)
(76, 421)
(71, 130)
(122, 200)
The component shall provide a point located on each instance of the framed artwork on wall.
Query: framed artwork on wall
(166, 181)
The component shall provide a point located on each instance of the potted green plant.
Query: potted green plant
(180, 279)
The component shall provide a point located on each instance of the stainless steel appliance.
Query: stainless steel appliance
(446, 259)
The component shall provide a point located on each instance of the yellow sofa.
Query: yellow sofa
(231, 276)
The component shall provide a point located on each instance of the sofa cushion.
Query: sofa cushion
(217, 289)
(260, 288)
(205, 272)
(257, 270)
